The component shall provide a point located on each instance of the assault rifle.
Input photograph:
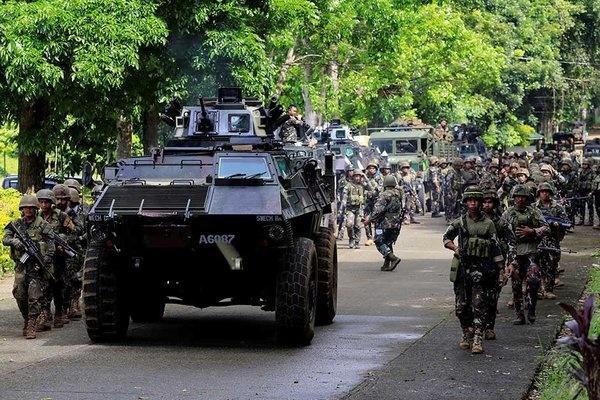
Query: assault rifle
(569, 251)
(68, 250)
(564, 223)
(575, 198)
(31, 248)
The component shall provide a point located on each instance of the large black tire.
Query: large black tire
(296, 295)
(327, 276)
(104, 302)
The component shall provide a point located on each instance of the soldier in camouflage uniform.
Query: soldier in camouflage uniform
(584, 189)
(529, 226)
(480, 258)
(63, 226)
(341, 211)
(353, 201)
(434, 183)
(444, 170)
(568, 186)
(406, 177)
(489, 177)
(549, 259)
(509, 183)
(289, 129)
(375, 181)
(506, 237)
(387, 216)
(74, 265)
(30, 278)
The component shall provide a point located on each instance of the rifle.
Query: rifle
(69, 251)
(569, 251)
(31, 248)
(574, 198)
(564, 223)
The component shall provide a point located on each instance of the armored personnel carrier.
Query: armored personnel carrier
(222, 215)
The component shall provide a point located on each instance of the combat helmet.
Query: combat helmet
(74, 195)
(472, 192)
(61, 191)
(523, 171)
(46, 194)
(457, 163)
(358, 171)
(404, 164)
(546, 167)
(349, 168)
(566, 161)
(28, 200)
(545, 186)
(515, 165)
(491, 194)
(389, 181)
(73, 183)
(442, 160)
(385, 165)
(586, 161)
(434, 160)
(373, 163)
(521, 190)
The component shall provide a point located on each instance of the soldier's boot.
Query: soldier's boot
(65, 316)
(490, 334)
(520, 320)
(394, 261)
(75, 311)
(31, 329)
(58, 320)
(369, 242)
(466, 339)
(351, 244)
(550, 295)
(25, 326)
(531, 316)
(477, 347)
(42, 323)
(386, 264)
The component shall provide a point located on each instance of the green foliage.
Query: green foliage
(9, 210)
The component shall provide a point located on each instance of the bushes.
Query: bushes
(9, 210)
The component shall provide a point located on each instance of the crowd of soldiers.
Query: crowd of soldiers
(508, 211)
(47, 245)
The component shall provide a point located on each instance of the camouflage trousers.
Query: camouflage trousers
(385, 239)
(28, 290)
(72, 279)
(354, 223)
(54, 289)
(581, 206)
(527, 270)
(549, 265)
(470, 297)
(435, 200)
(369, 228)
(492, 288)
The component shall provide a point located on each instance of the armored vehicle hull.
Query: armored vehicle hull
(225, 225)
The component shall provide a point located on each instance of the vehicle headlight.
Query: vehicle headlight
(276, 233)
(97, 234)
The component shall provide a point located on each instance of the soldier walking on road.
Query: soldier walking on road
(353, 201)
(387, 216)
(530, 227)
(30, 277)
(480, 256)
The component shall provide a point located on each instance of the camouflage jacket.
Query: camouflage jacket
(354, 195)
(531, 217)
(469, 177)
(553, 209)
(38, 230)
(375, 183)
(387, 212)
(569, 186)
(61, 224)
(506, 237)
(585, 181)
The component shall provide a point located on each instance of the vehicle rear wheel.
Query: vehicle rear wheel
(327, 276)
(296, 295)
(105, 306)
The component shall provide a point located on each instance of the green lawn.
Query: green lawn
(8, 165)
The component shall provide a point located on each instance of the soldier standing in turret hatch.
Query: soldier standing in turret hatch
(289, 129)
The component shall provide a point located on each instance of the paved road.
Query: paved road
(395, 337)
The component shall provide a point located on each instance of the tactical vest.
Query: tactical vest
(34, 230)
(475, 244)
(356, 194)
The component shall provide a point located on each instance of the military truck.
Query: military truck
(222, 215)
(408, 143)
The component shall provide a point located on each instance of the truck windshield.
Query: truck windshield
(406, 146)
(382, 144)
(244, 168)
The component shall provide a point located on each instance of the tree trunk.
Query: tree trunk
(124, 138)
(309, 114)
(289, 60)
(150, 138)
(32, 163)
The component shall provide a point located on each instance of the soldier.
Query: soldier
(353, 201)
(289, 129)
(435, 186)
(406, 178)
(341, 184)
(30, 277)
(495, 281)
(444, 170)
(469, 174)
(74, 265)
(569, 185)
(61, 225)
(584, 189)
(375, 182)
(489, 177)
(480, 256)
(549, 259)
(387, 216)
(529, 227)
(509, 183)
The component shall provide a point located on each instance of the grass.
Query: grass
(553, 381)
